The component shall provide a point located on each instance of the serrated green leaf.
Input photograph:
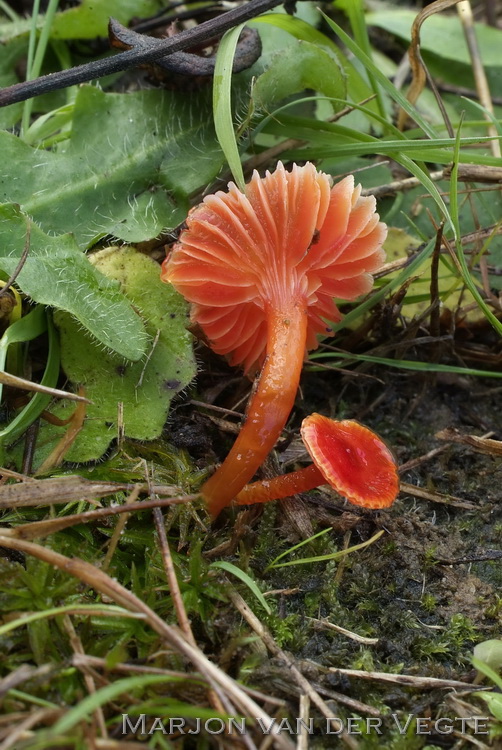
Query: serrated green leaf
(144, 388)
(57, 273)
(90, 18)
(127, 170)
(300, 66)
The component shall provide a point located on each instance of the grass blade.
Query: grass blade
(222, 103)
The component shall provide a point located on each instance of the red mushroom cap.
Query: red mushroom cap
(289, 237)
(353, 460)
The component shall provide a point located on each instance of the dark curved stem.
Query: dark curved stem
(88, 72)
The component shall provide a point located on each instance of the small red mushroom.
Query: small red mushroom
(261, 269)
(347, 455)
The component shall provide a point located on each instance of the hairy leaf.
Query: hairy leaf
(144, 388)
(127, 170)
(57, 273)
(300, 66)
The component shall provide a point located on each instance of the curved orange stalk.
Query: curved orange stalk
(348, 456)
(282, 486)
(261, 269)
(268, 409)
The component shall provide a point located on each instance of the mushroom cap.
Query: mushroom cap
(291, 238)
(353, 459)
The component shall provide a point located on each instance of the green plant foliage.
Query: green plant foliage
(56, 273)
(127, 170)
(245, 578)
(222, 102)
(16, 28)
(441, 34)
(300, 66)
(146, 387)
(357, 87)
(12, 52)
(90, 18)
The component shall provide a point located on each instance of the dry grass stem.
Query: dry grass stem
(480, 444)
(272, 646)
(119, 528)
(428, 683)
(77, 647)
(324, 624)
(483, 89)
(27, 385)
(437, 497)
(102, 583)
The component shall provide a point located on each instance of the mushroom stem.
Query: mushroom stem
(284, 485)
(268, 408)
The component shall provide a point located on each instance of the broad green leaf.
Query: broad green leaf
(494, 703)
(90, 18)
(145, 388)
(490, 652)
(57, 273)
(357, 87)
(441, 34)
(300, 66)
(127, 170)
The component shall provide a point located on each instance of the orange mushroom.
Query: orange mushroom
(347, 455)
(261, 269)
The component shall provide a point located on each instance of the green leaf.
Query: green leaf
(298, 67)
(490, 652)
(357, 87)
(245, 578)
(488, 672)
(90, 18)
(12, 52)
(127, 170)
(441, 34)
(56, 273)
(323, 558)
(144, 388)
(222, 103)
(494, 703)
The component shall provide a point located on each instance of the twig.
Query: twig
(119, 528)
(303, 737)
(247, 52)
(56, 456)
(187, 39)
(419, 75)
(99, 581)
(437, 497)
(76, 644)
(465, 14)
(172, 579)
(320, 624)
(272, 646)
(405, 679)
(27, 385)
(39, 529)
